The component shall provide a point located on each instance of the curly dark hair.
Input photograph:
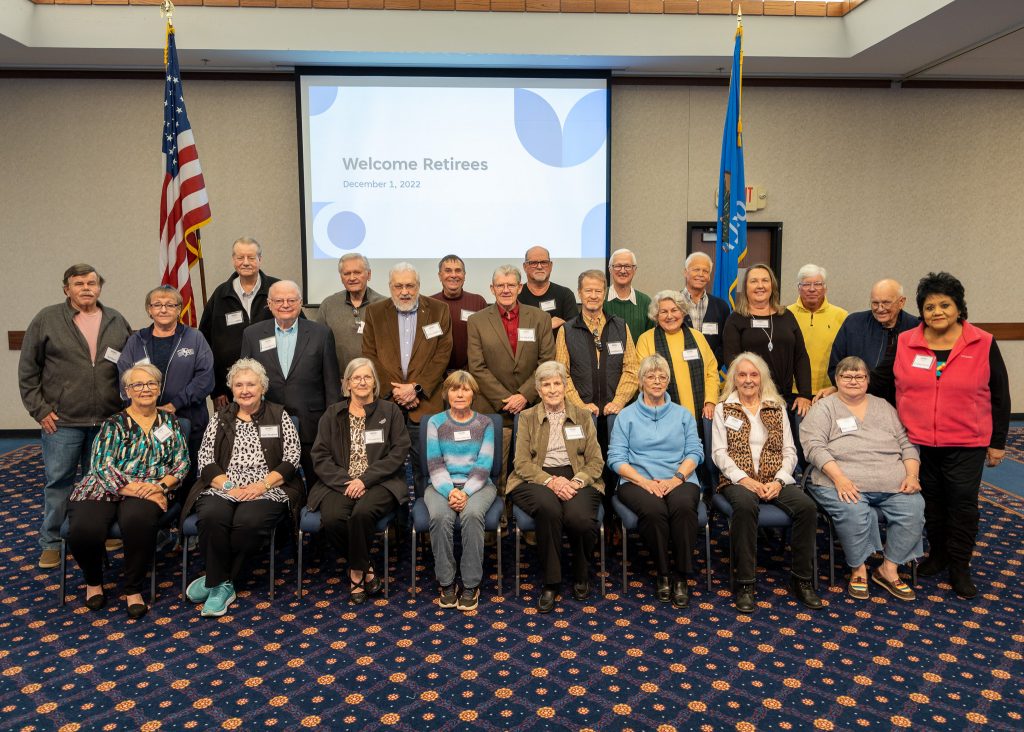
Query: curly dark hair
(942, 283)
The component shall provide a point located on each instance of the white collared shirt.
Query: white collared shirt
(613, 296)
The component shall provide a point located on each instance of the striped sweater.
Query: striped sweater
(459, 454)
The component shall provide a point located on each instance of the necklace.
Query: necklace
(769, 335)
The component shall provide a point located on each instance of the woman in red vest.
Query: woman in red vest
(953, 396)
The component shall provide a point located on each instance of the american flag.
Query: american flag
(184, 206)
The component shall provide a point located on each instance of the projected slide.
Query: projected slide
(413, 168)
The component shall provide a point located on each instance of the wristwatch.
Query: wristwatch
(680, 476)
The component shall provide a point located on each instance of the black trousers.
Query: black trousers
(230, 532)
(746, 507)
(950, 478)
(577, 517)
(90, 524)
(349, 524)
(666, 522)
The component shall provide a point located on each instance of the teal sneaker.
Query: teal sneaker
(219, 600)
(197, 590)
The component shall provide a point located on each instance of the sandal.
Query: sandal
(897, 588)
(364, 589)
(858, 588)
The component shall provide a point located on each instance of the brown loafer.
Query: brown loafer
(898, 588)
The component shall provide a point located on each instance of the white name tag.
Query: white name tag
(268, 344)
(733, 423)
(847, 424)
(374, 437)
(270, 430)
(142, 362)
(573, 432)
(527, 334)
(691, 354)
(547, 305)
(163, 433)
(111, 355)
(462, 435)
(615, 348)
(234, 318)
(760, 323)
(923, 362)
(432, 331)
(359, 327)
(464, 314)
(709, 328)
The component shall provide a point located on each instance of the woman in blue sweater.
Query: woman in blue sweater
(655, 448)
(460, 453)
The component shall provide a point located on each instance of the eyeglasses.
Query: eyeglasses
(403, 288)
(361, 379)
(285, 301)
(623, 267)
(164, 306)
(811, 285)
(143, 385)
(536, 262)
(853, 378)
(656, 378)
(882, 304)
(504, 288)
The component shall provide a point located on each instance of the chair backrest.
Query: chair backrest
(186, 427)
(496, 423)
(713, 472)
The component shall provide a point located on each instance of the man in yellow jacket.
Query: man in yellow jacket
(819, 321)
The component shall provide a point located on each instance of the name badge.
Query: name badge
(462, 435)
(528, 335)
(359, 327)
(691, 354)
(163, 433)
(270, 430)
(464, 315)
(374, 437)
(709, 328)
(547, 305)
(733, 423)
(235, 318)
(142, 362)
(847, 424)
(432, 331)
(573, 432)
(268, 344)
(111, 355)
(615, 348)
(923, 361)
(760, 323)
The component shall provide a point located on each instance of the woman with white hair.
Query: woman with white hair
(753, 447)
(557, 480)
(248, 481)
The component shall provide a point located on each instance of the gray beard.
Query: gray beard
(404, 308)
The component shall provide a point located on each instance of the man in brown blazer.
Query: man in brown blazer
(409, 340)
(507, 341)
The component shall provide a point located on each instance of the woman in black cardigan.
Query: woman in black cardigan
(359, 456)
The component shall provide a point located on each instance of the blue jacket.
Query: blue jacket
(861, 335)
(189, 377)
(654, 440)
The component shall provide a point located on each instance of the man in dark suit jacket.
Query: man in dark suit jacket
(507, 341)
(409, 339)
(300, 361)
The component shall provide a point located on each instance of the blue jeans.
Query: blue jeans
(471, 529)
(66, 450)
(857, 524)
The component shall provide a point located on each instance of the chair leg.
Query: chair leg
(386, 570)
(62, 590)
(298, 562)
(625, 557)
(600, 538)
(273, 536)
(707, 553)
(413, 555)
(184, 567)
(152, 580)
(913, 572)
(497, 545)
(518, 536)
(831, 553)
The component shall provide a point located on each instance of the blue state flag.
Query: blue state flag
(732, 187)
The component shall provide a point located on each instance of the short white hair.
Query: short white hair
(252, 365)
(621, 251)
(696, 255)
(659, 297)
(811, 270)
(403, 267)
(506, 270)
(282, 284)
(350, 256)
(550, 369)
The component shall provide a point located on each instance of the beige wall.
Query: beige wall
(868, 183)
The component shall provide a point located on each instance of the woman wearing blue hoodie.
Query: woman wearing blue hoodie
(654, 447)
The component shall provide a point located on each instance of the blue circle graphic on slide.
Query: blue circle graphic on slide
(346, 230)
(592, 232)
(321, 98)
(541, 133)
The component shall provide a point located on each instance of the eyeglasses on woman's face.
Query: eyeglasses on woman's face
(361, 379)
(656, 377)
(144, 385)
(851, 378)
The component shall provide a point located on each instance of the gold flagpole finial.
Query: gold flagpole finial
(167, 10)
(739, 14)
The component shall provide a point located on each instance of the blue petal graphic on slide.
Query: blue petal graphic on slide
(321, 98)
(346, 230)
(593, 232)
(541, 134)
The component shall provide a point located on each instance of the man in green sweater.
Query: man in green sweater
(629, 304)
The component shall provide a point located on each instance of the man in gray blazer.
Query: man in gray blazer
(300, 360)
(507, 341)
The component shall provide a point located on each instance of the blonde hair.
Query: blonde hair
(774, 303)
(459, 378)
(769, 393)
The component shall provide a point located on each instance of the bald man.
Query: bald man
(870, 333)
(540, 292)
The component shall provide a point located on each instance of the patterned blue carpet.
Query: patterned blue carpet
(404, 664)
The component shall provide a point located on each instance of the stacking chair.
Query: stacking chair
(190, 528)
(420, 517)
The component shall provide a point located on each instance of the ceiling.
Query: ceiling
(894, 40)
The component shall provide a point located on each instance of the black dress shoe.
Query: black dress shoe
(960, 579)
(680, 593)
(96, 602)
(664, 590)
(546, 601)
(743, 598)
(932, 566)
(365, 589)
(581, 590)
(803, 590)
(137, 610)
